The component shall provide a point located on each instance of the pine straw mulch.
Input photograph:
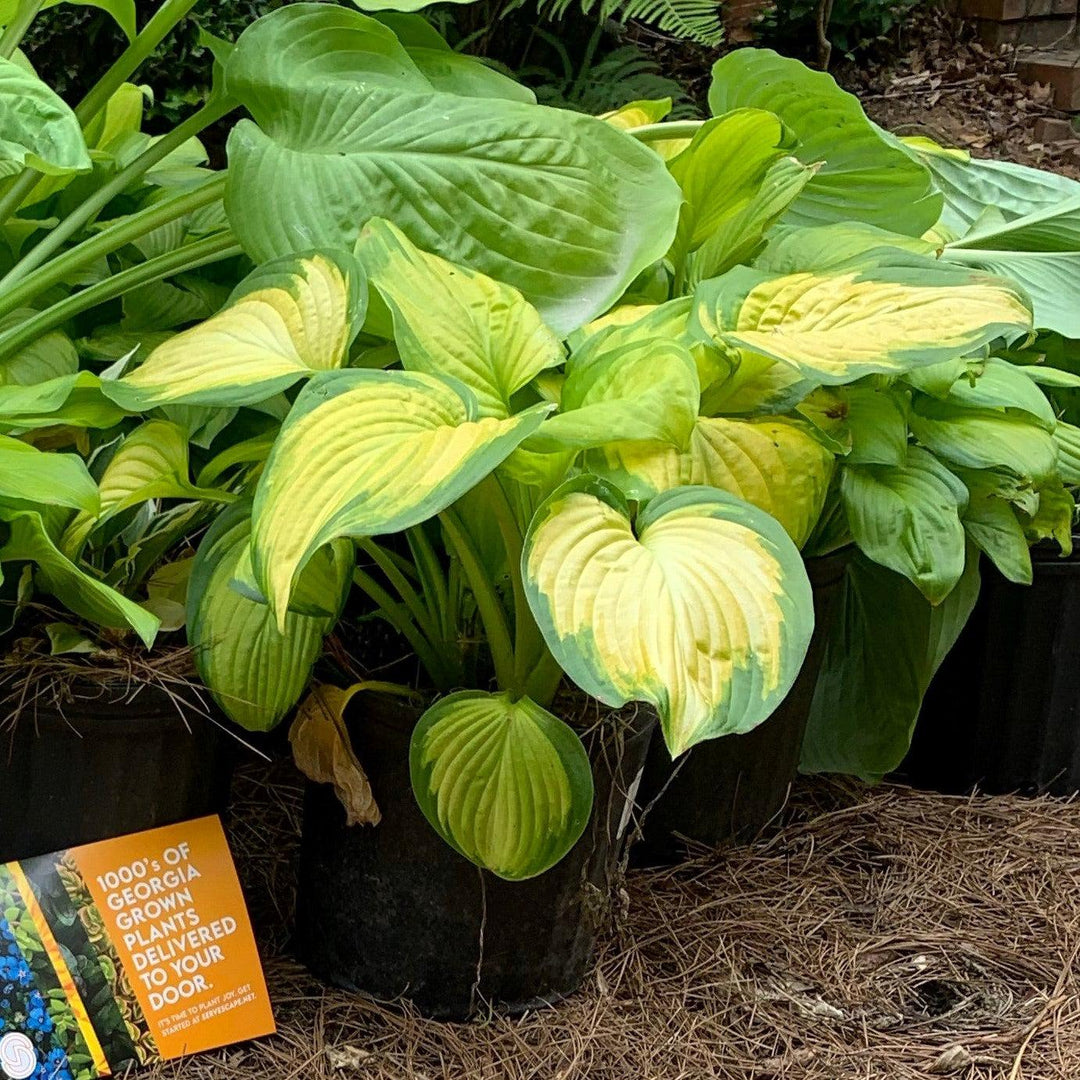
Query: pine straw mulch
(882, 934)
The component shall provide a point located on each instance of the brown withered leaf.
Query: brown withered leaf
(323, 753)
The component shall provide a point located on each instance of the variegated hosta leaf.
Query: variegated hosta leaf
(984, 438)
(638, 113)
(503, 782)
(758, 385)
(450, 320)
(151, 463)
(364, 453)
(836, 327)
(255, 671)
(646, 389)
(907, 517)
(701, 606)
(31, 475)
(774, 464)
(29, 540)
(287, 320)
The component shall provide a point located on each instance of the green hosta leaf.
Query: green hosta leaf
(1055, 517)
(994, 383)
(700, 607)
(123, 11)
(1040, 251)
(37, 130)
(739, 236)
(643, 390)
(638, 113)
(29, 540)
(75, 400)
(794, 250)
(450, 320)
(256, 672)
(836, 327)
(864, 177)
(1067, 441)
(722, 170)
(151, 463)
(289, 319)
(503, 782)
(759, 385)
(907, 517)
(877, 420)
(47, 479)
(992, 525)
(65, 638)
(774, 465)
(369, 452)
(983, 438)
(561, 206)
(884, 646)
(399, 5)
(51, 356)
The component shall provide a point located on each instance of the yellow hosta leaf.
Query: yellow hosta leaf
(364, 453)
(700, 606)
(772, 463)
(450, 320)
(838, 326)
(289, 319)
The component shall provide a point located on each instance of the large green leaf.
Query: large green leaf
(984, 438)
(29, 540)
(773, 464)
(700, 606)
(884, 645)
(559, 205)
(796, 250)
(876, 417)
(290, 318)
(75, 400)
(369, 452)
(504, 782)
(48, 479)
(992, 525)
(997, 384)
(256, 672)
(839, 325)
(1067, 441)
(863, 178)
(449, 320)
(37, 130)
(907, 517)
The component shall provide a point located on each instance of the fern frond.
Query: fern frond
(692, 20)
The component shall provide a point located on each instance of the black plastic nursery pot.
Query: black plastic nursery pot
(110, 761)
(729, 789)
(391, 910)
(1003, 712)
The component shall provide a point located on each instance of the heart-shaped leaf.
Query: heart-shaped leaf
(700, 606)
(503, 782)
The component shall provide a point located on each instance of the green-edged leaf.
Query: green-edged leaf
(643, 390)
(348, 129)
(151, 463)
(47, 479)
(722, 170)
(758, 386)
(449, 320)
(864, 177)
(701, 606)
(984, 438)
(503, 782)
(994, 383)
(369, 452)
(773, 464)
(29, 540)
(256, 672)
(877, 420)
(992, 525)
(290, 318)
(37, 130)
(907, 517)
(838, 326)
(884, 645)
(75, 400)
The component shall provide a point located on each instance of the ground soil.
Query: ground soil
(880, 934)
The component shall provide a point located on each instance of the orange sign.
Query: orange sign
(172, 907)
